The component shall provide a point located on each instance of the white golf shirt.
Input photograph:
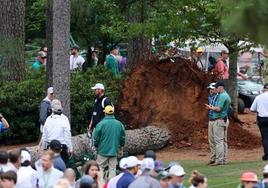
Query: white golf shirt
(57, 127)
(76, 61)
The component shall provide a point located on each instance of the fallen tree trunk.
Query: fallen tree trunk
(137, 142)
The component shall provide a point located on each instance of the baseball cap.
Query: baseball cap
(219, 83)
(86, 180)
(150, 154)
(75, 47)
(50, 90)
(163, 175)
(224, 52)
(249, 176)
(56, 105)
(42, 54)
(55, 145)
(25, 156)
(123, 163)
(265, 169)
(108, 109)
(132, 161)
(158, 166)
(199, 49)
(177, 170)
(147, 163)
(98, 86)
(211, 85)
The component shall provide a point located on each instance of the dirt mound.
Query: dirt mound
(172, 95)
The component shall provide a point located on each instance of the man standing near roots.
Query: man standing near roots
(221, 68)
(211, 101)
(260, 105)
(45, 108)
(109, 139)
(100, 102)
(220, 123)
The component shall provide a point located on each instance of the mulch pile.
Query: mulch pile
(172, 94)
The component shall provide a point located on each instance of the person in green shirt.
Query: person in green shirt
(111, 62)
(40, 61)
(219, 123)
(109, 140)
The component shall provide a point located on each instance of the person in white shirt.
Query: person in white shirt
(260, 105)
(76, 60)
(57, 127)
(25, 173)
(47, 176)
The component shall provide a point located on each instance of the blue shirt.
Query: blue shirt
(176, 186)
(2, 127)
(125, 180)
(211, 101)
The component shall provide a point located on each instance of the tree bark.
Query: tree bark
(138, 47)
(137, 142)
(12, 36)
(58, 36)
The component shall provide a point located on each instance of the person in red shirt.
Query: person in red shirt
(221, 68)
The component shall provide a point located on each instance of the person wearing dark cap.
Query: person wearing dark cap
(164, 178)
(220, 123)
(221, 68)
(150, 154)
(260, 105)
(109, 139)
(57, 127)
(211, 101)
(76, 60)
(58, 163)
(111, 62)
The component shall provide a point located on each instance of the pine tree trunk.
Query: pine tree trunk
(12, 36)
(58, 40)
(139, 49)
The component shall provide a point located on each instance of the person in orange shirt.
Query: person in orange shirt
(221, 68)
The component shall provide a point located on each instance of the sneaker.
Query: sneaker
(216, 164)
(210, 162)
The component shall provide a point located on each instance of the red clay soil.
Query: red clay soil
(173, 95)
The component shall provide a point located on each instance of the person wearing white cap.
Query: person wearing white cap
(132, 166)
(25, 173)
(100, 102)
(122, 165)
(211, 101)
(146, 179)
(264, 182)
(45, 108)
(57, 127)
(177, 176)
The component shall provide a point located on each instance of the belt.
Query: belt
(215, 119)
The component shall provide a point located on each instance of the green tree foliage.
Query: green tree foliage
(19, 102)
(248, 17)
(35, 19)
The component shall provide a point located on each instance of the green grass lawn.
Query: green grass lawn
(226, 176)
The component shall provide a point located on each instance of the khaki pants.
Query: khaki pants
(217, 135)
(111, 162)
